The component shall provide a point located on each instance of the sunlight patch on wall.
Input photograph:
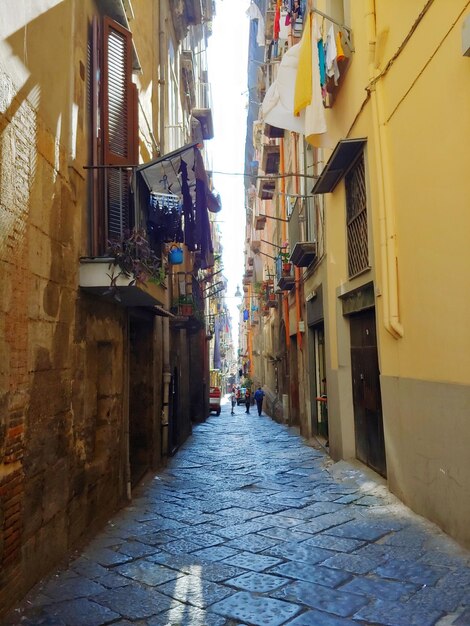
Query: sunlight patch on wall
(18, 159)
(17, 14)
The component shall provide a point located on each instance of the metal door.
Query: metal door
(370, 446)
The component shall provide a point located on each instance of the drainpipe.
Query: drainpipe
(166, 384)
(162, 76)
(126, 410)
(298, 312)
(388, 256)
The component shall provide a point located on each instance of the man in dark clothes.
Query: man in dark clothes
(259, 395)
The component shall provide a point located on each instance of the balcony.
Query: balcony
(266, 189)
(100, 277)
(270, 159)
(202, 110)
(260, 222)
(304, 253)
(284, 275)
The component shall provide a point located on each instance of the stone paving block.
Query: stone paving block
(206, 540)
(195, 590)
(106, 557)
(321, 598)
(240, 530)
(252, 543)
(214, 571)
(113, 581)
(81, 612)
(412, 572)
(255, 610)
(161, 523)
(285, 535)
(137, 549)
(32, 617)
(279, 521)
(320, 508)
(347, 499)
(216, 553)
(353, 563)
(311, 573)
(89, 569)
(134, 602)
(186, 615)
(359, 530)
(180, 546)
(239, 513)
(434, 599)
(299, 552)
(392, 614)
(338, 544)
(257, 582)
(157, 538)
(324, 522)
(317, 618)
(388, 552)
(71, 588)
(151, 574)
(253, 562)
(377, 588)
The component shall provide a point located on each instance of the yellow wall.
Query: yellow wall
(424, 125)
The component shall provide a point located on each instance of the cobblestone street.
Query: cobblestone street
(250, 525)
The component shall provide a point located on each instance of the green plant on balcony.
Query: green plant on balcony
(284, 256)
(135, 259)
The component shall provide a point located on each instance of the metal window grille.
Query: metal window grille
(356, 212)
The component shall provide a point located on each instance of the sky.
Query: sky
(227, 65)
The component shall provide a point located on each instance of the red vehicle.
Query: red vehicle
(214, 399)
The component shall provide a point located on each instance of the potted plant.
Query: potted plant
(133, 258)
(286, 264)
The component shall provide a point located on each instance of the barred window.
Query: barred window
(356, 213)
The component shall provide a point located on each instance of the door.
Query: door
(140, 396)
(368, 422)
(318, 384)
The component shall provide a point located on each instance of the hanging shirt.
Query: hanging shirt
(321, 62)
(277, 23)
(332, 70)
(303, 82)
(315, 122)
(254, 13)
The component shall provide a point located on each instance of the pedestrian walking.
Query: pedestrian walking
(259, 395)
(233, 401)
(247, 400)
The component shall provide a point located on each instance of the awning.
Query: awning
(340, 162)
(162, 175)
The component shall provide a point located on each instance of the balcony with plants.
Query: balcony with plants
(126, 264)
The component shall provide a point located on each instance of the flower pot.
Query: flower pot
(286, 267)
(175, 256)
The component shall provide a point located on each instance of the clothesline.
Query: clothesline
(330, 19)
(339, 24)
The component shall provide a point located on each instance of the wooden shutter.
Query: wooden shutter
(117, 109)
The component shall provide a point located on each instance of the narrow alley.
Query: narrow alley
(250, 525)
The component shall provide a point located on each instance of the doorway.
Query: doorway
(368, 421)
(140, 396)
(318, 388)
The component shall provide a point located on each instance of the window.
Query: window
(114, 131)
(356, 213)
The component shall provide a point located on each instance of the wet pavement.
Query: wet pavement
(250, 525)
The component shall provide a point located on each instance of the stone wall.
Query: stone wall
(62, 458)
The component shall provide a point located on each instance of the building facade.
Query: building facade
(366, 345)
(96, 345)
